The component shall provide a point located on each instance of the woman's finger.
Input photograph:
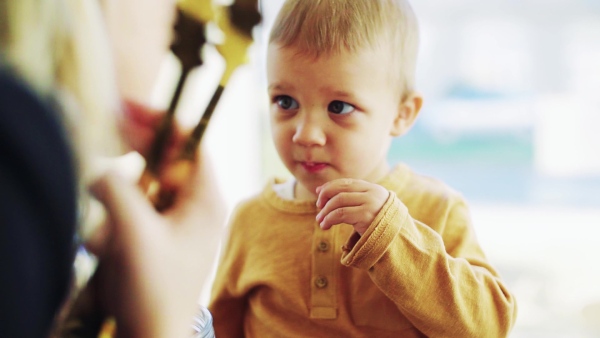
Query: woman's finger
(198, 195)
(126, 206)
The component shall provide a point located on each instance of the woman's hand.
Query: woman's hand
(153, 265)
(350, 201)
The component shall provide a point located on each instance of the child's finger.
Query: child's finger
(332, 188)
(353, 215)
(340, 200)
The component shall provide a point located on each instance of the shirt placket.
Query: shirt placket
(323, 283)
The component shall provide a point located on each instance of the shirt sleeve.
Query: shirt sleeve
(228, 301)
(441, 281)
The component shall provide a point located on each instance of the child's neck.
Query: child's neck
(303, 194)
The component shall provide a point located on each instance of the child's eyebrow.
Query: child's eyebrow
(339, 93)
(278, 86)
(342, 93)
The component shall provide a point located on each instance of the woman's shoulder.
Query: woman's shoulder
(38, 207)
(35, 148)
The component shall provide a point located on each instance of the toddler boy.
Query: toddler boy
(352, 247)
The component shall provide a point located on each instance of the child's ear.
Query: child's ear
(407, 113)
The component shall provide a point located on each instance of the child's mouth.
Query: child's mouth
(313, 167)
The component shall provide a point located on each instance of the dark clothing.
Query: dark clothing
(38, 210)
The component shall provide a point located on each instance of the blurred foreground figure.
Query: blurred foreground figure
(59, 96)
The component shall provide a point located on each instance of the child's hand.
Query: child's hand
(350, 201)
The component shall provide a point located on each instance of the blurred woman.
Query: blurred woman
(67, 66)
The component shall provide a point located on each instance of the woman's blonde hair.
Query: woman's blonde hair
(61, 49)
(317, 27)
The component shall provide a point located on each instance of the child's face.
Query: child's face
(332, 117)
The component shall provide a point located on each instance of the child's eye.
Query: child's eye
(340, 107)
(286, 102)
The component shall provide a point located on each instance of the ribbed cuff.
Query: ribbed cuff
(364, 251)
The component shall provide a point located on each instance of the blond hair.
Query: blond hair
(321, 27)
(61, 49)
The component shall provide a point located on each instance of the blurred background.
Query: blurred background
(511, 117)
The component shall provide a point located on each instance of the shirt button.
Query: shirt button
(321, 282)
(323, 246)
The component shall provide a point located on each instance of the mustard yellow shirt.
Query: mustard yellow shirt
(418, 271)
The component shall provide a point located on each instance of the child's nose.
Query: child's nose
(309, 132)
